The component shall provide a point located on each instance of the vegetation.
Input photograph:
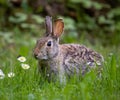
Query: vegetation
(94, 23)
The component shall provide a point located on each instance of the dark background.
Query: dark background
(93, 20)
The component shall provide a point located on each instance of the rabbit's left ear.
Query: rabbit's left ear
(58, 28)
(48, 23)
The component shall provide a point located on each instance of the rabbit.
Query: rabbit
(63, 59)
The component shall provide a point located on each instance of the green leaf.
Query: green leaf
(18, 18)
(38, 19)
(97, 6)
(113, 68)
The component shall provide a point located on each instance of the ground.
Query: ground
(29, 84)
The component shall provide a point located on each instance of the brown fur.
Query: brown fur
(65, 59)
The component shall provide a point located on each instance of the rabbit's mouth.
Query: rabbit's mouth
(41, 57)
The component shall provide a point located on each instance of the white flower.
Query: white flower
(21, 59)
(11, 74)
(2, 75)
(25, 66)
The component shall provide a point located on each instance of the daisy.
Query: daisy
(11, 74)
(2, 75)
(21, 59)
(25, 66)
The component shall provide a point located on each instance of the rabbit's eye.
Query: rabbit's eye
(49, 43)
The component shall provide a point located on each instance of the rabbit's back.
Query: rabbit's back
(78, 58)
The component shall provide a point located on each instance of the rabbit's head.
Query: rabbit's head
(47, 47)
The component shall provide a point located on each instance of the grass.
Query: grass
(29, 85)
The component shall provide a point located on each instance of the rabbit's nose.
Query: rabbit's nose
(36, 56)
(36, 51)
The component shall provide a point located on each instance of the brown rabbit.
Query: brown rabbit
(63, 59)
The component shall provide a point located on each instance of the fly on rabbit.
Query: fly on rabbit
(63, 59)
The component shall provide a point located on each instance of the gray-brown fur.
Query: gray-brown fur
(77, 56)
(64, 59)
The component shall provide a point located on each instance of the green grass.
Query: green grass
(29, 85)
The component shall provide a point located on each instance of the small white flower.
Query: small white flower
(21, 59)
(25, 66)
(2, 75)
(11, 74)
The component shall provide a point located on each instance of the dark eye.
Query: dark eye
(49, 43)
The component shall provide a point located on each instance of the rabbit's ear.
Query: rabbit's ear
(48, 23)
(58, 27)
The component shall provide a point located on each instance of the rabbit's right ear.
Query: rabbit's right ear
(58, 28)
(48, 23)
